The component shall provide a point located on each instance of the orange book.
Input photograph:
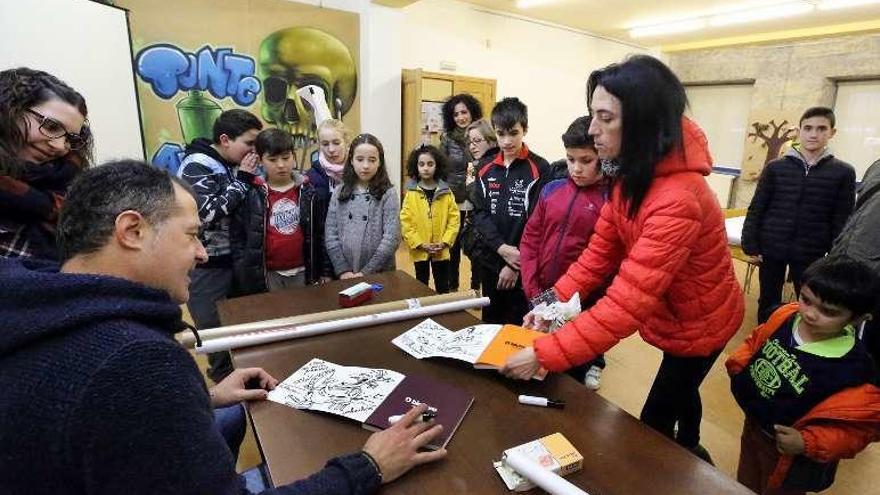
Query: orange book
(509, 340)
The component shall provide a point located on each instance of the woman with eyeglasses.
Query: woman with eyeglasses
(44, 144)
(458, 113)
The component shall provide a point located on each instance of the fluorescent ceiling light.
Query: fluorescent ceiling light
(525, 4)
(761, 14)
(668, 28)
(842, 4)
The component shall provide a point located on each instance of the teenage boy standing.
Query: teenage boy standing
(210, 168)
(507, 188)
(800, 206)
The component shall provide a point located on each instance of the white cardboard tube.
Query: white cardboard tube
(320, 328)
(551, 482)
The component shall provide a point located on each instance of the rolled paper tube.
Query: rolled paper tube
(551, 482)
(320, 328)
(187, 339)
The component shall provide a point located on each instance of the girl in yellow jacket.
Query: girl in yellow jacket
(429, 218)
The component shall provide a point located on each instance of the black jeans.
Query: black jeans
(506, 306)
(455, 255)
(675, 398)
(441, 271)
(771, 275)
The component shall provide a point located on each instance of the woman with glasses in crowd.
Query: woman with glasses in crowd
(44, 144)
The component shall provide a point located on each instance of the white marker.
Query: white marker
(531, 400)
(425, 416)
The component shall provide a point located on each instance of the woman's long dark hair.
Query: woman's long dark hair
(20, 90)
(653, 101)
(378, 184)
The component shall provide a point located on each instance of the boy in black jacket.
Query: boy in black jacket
(800, 206)
(504, 196)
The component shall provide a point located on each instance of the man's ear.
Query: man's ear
(224, 140)
(130, 230)
(833, 132)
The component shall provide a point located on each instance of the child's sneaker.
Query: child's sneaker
(593, 378)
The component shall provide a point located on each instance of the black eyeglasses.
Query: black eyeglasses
(53, 129)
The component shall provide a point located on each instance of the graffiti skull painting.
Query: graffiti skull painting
(292, 58)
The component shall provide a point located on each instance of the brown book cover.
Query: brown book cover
(451, 404)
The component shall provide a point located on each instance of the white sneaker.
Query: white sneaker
(593, 378)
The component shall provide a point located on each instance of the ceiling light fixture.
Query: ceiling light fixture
(843, 4)
(684, 26)
(761, 14)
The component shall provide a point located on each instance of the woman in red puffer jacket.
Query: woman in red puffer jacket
(663, 231)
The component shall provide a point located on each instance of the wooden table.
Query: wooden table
(621, 455)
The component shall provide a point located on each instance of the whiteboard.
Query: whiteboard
(85, 44)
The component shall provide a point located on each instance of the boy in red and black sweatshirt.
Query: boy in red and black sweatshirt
(561, 225)
(504, 196)
(807, 384)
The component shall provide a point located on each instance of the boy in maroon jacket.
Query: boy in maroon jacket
(562, 223)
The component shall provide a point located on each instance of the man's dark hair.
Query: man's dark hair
(577, 134)
(273, 141)
(509, 112)
(448, 110)
(818, 112)
(844, 281)
(412, 162)
(100, 194)
(234, 123)
(652, 101)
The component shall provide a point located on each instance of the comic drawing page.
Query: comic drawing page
(423, 340)
(468, 343)
(348, 391)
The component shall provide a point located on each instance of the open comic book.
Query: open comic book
(372, 395)
(484, 346)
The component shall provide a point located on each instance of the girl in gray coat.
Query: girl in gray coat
(363, 227)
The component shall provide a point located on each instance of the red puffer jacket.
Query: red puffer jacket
(675, 283)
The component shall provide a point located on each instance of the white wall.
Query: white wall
(96, 62)
(545, 66)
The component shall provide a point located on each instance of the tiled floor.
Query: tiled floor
(628, 376)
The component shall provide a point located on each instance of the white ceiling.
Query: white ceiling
(614, 19)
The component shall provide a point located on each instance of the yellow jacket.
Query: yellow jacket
(421, 222)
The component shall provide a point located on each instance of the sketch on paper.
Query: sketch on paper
(421, 340)
(468, 343)
(429, 339)
(349, 391)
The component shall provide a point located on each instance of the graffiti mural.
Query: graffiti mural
(280, 60)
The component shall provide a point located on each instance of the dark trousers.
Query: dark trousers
(771, 275)
(208, 286)
(441, 271)
(757, 460)
(580, 372)
(455, 256)
(675, 398)
(506, 306)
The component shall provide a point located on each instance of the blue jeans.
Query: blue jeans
(230, 422)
